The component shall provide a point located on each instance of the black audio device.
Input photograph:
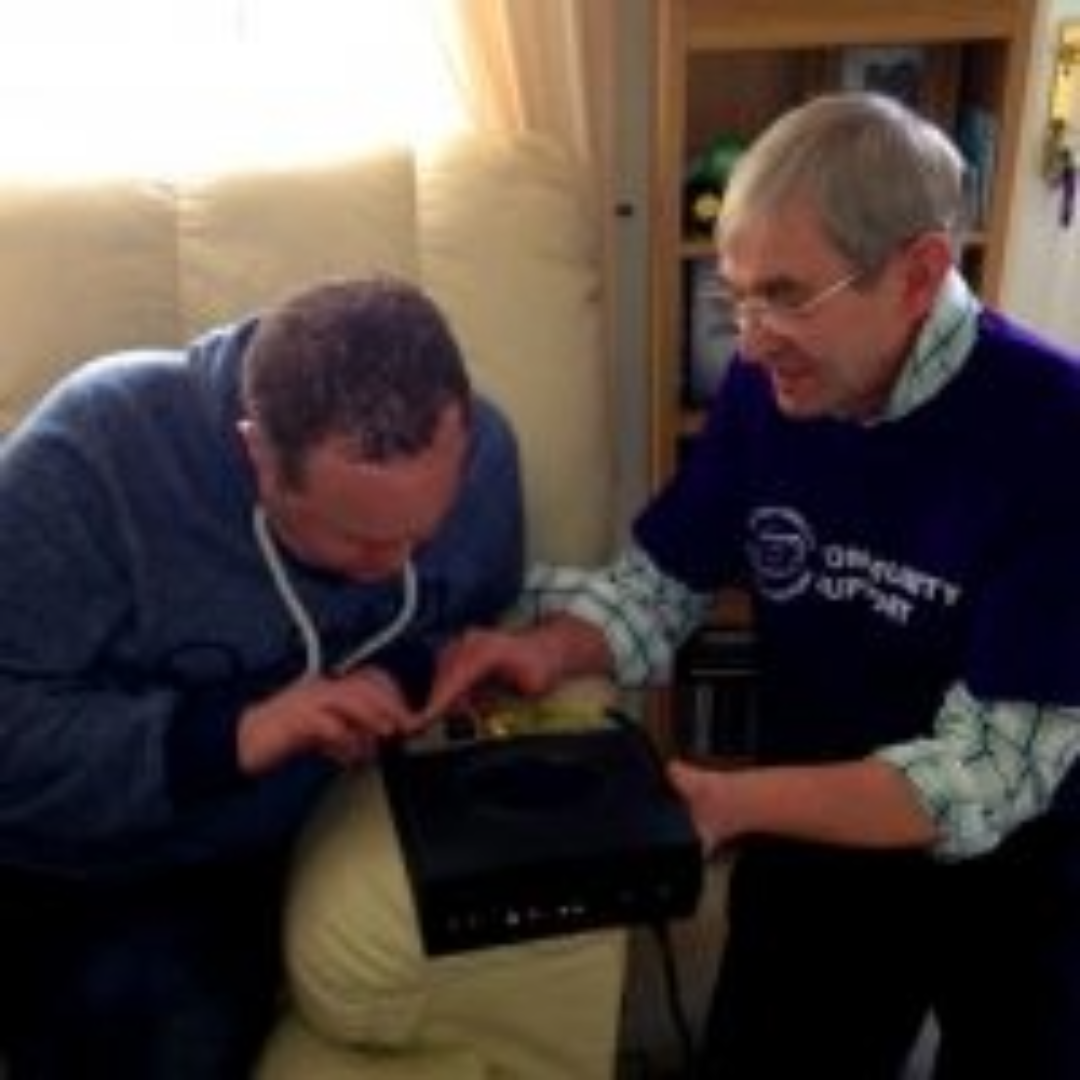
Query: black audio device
(514, 837)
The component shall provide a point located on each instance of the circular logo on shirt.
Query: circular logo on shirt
(780, 550)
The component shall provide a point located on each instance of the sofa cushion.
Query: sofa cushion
(361, 981)
(246, 240)
(498, 229)
(84, 268)
(510, 248)
(296, 1052)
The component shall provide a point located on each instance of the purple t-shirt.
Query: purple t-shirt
(889, 561)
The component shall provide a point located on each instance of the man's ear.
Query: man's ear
(246, 430)
(929, 260)
(258, 453)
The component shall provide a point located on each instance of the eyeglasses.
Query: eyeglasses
(783, 316)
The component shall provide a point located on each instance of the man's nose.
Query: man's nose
(758, 342)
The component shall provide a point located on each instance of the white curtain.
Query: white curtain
(527, 65)
(160, 86)
(543, 66)
(157, 87)
(144, 80)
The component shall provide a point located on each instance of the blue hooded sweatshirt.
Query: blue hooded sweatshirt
(138, 616)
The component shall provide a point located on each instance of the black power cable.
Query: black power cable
(676, 1004)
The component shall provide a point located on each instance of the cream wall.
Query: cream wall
(1041, 282)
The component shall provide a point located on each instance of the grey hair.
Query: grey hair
(372, 362)
(876, 173)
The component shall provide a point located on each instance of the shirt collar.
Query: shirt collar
(941, 349)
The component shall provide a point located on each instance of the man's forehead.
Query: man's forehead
(773, 251)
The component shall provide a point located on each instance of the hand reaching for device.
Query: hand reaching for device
(529, 662)
(341, 717)
(471, 665)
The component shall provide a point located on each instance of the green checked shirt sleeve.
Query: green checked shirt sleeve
(643, 614)
(988, 768)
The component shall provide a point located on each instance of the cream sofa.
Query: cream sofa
(502, 234)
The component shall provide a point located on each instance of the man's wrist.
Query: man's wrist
(571, 646)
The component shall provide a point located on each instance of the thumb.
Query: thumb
(693, 784)
(685, 778)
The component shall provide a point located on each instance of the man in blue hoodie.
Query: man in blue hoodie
(887, 470)
(224, 572)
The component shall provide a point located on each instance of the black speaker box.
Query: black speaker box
(512, 838)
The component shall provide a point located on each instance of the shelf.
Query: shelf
(747, 24)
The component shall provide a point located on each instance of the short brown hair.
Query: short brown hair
(372, 361)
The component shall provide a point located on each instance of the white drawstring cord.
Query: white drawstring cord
(313, 657)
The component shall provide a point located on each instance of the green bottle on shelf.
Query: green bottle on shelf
(706, 178)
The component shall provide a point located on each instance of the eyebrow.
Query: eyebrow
(776, 285)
